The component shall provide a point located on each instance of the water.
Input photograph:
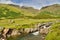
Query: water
(27, 37)
(36, 33)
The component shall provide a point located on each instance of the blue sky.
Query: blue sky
(34, 3)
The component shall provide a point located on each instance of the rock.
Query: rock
(48, 24)
(35, 29)
(15, 32)
(27, 30)
(22, 30)
(44, 31)
(8, 35)
(31, 29)
(5, 31)
(2, 39)
(9, 32)
(42, 27)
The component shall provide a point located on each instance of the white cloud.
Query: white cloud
(31, 3)
(6, 2)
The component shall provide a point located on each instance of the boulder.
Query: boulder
(15, 32)
(27, 30)
(44, 31)
(5, 31)
(22, 30)
(35, 29)
(31, 29)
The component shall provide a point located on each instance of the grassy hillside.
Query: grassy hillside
(13, 11)
(52, 11)
(7, 11)
(26, 15)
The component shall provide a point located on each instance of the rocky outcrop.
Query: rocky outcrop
(5, 31)
(44, 31)
(27, 30)
(15, 32)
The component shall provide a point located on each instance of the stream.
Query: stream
(32, 36)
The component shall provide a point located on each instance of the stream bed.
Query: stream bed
(27, 37)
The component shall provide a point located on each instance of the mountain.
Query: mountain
(52, 11)
(15, 11)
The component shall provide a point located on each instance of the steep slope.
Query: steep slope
(14, 11)
(52, 11)
(7, 11)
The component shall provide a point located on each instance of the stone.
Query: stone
(31, 29)
(36, 28)
(15, 32)
(44, 31)
(27, 30)
(5, 31)
(22, 30)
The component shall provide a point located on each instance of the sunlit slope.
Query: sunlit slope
(7, 11)
(52, 11)
(15, 11)
(10, 11)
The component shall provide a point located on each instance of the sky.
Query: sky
(37, 4)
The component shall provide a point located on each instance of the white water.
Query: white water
(36, 33)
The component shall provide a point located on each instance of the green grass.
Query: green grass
(12, 12)
(54, 34)
(9, 11)
(47, 15)
(25, 23)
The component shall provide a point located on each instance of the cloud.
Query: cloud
(36, 3)
(33, 3)
(6, 2)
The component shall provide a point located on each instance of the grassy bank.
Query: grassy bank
(54, 34)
